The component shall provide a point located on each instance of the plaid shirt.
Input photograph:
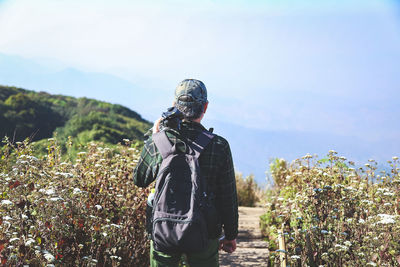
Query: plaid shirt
(216, 166)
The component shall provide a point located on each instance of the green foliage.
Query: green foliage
(335, 215)
(82, 213)
(22, 117)
(247, 190)
(26, 113)
(278, 169)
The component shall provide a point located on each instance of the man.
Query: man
(216, 167)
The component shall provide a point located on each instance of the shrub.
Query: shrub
(64, 213)
(333, 214)
(247, 190)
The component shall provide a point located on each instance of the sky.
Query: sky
(306, 66)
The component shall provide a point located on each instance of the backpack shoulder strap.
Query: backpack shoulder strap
(202, 141)
(163, 144)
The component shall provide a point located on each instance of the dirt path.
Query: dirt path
(251, 250)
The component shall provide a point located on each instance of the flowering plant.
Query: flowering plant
(332, 214)
(81, 213)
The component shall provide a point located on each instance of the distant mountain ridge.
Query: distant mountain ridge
(38, 115)
(60, 79)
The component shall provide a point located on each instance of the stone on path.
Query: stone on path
(251, 250)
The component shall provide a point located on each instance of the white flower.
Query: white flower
(98, 207)
(104, 234)
(390, 194)
(77, 191)
(347, 243)
(350, 188)
(362, 221)
(386, 219)
(395, 158)
(29, 242)
(295, 257)
(6, 202)
(50, 191)
(49, 257)
(55, 198)
(341, 247)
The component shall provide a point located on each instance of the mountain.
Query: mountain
(253, 149)
(54, 77)
(39, 115)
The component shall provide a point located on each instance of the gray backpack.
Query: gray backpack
(179, 221)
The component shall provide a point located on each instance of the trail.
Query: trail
(251, 250)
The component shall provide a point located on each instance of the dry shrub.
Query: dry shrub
(86, 213)
(248, 191)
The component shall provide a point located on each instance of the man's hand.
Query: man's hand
(227, 245)
(156, 126)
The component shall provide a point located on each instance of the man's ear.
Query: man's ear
(205, 107)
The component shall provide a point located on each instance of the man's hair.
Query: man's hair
(190, 108)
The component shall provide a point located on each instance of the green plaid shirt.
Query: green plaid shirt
(216, 166)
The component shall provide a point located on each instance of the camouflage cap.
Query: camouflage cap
(194, 89)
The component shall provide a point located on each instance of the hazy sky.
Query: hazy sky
(325, 66)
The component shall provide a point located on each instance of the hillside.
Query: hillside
(39, 115)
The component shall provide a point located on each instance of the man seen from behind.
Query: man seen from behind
(216, 167)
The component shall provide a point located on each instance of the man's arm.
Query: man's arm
(226, 197)
(147, 166)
